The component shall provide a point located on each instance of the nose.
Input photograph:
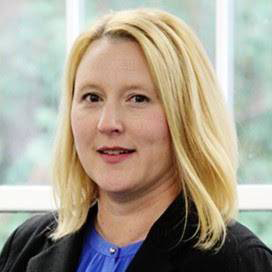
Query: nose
(110, 119)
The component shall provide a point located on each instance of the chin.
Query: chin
(118, 191)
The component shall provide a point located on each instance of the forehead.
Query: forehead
(109, 56)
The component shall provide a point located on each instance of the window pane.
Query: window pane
(191, 11)
(260, 223)
(31, 59)
(253, 84)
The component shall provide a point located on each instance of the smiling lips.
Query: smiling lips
(115, 154)
(115, 150)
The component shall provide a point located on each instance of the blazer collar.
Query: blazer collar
(172, 229)
(171, 234)
(168, 233)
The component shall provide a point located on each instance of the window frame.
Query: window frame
(27, 198)
(22, 198)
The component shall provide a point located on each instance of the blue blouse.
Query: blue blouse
(98, 255)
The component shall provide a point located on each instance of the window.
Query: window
(32, 56)
(34, 40)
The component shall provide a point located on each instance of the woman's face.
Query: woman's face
(115, 105)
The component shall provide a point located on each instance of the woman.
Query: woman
(145, 162)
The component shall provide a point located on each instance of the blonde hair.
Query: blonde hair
(202, 132)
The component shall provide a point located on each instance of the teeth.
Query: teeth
(115, 152)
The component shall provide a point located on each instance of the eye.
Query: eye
(140, 98)
(91, 97)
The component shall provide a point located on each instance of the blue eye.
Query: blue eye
(140, 98)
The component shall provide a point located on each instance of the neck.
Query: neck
(124, 220)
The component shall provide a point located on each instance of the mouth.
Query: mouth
(115, 152)
(114, 155)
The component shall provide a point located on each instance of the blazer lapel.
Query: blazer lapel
(150, 258)
(167, 237)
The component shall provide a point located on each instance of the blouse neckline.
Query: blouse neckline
(99, 244)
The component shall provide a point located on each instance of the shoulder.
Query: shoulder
(28, 239)
(36, 226)
(242, 251)
(240, 236)
(246, 249)
(38, 223)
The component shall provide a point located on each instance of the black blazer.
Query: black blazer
(29, 248)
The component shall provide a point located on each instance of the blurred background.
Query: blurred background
(33, 49)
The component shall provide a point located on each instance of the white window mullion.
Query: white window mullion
(40, 198)
(26, 198)
(224, 47)
(75, 15)
(255, 197)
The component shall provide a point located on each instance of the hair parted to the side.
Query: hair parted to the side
(202, 131)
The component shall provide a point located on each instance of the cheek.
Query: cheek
(81, 129)
(163, 134)
(155, 130)
(75, 125)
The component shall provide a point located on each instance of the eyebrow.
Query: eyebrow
(130, 87)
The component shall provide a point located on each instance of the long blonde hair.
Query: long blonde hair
(202, 131)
